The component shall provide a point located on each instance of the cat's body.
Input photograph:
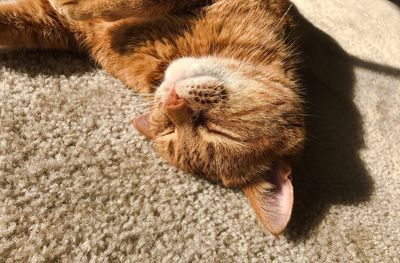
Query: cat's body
(226, 104)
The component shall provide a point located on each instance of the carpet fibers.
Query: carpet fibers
(78, 184)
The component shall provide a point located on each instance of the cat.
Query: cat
(227, 102)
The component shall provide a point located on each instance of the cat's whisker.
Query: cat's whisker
(146, 94)
(301, 115)
(284, 15)
(259, 49)
(144, 105)
(144, 101)
(145, 98)
(141, 101)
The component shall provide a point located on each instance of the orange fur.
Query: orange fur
(231, 63)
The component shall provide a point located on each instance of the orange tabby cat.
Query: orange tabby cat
(226, 99)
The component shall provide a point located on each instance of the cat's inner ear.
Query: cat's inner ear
(142, 124)
(272, 198)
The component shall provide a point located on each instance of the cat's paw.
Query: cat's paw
(74, 9)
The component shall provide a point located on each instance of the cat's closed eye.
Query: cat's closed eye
(221, 132)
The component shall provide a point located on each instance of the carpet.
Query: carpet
(78, 184)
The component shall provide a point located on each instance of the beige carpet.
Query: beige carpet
(78, 184)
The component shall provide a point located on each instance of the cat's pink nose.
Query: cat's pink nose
(173, 98)
(177, 108)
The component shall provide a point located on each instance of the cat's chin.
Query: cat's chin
(188, 72)
(218, 76)
(189, 67)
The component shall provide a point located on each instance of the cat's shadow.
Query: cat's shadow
(330, 171)
(396, 2)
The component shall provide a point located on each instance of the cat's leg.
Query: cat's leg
(113, 10)
(126, 53)
(33, 24)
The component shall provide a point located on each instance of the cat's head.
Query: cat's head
(231, 122)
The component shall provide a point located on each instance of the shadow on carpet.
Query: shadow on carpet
(330, 171)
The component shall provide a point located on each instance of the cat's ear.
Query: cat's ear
(142, 124)
(272, 198)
